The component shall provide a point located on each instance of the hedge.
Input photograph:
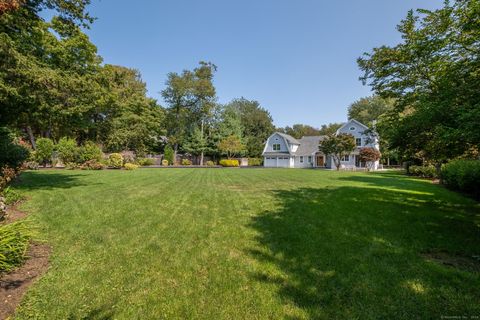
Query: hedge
(255, 161)
(462, 175)
(229, 163)
(423, 171)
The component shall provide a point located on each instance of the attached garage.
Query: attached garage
(277, 162)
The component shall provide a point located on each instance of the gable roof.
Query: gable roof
(288, 138)
(308, 145)
(350, 121)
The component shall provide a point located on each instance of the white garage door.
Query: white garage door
(283, 162)
(270, 162)
(276, 162)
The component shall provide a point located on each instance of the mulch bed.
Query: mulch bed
(14, 284)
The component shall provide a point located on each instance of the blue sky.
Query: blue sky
(296, 57)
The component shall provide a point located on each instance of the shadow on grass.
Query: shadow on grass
(353, 252)
(34, 180)
(103, 313)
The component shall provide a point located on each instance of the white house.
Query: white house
(283, 151)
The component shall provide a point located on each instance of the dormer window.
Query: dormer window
(352, 128)
(276, 147)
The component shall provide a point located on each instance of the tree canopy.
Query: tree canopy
(433, 75)
(369, 109)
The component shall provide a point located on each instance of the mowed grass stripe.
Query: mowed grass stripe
(248, 244)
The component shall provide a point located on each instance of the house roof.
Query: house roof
(289, 138)
(308, 145)
(350, 121)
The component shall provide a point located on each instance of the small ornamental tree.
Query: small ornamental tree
(45, 147)
(338, 146)
(168, 155)
(369, 156)
(231, 146)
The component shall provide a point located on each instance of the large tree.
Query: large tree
(256, 122)
(190, 98)
(46, 67)
(369, 109)
(433, 75)
(328, 129)
(300, 130)
(125, 118)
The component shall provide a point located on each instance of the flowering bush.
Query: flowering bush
(210, 163)
(164, 162)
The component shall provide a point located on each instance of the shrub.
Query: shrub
(92, 165)
(229, 163)
(115, 160)
(168, 154)
(67, 150)
(423, 171)
(462, 175)
(186, 162)
(14, 239)
(31, 165)
(128, 156)
(72, 166)
(11, 153)
(6, 175)
(130, 166)
(44, 150)
(210, 163)
(164, 162)
(255, 161)
(145, 161)
(11, 196)
(89, 151)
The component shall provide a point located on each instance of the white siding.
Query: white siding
(276, 139)
(358, 133)
(305, 163)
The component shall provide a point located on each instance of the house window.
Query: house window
(276, 147)
(346, 158)
(358, 142)
(352, 128)
(301, 159)
(309, 159)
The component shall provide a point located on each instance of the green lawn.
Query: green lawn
(249, 244)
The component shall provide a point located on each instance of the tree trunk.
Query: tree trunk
(337, 164)
(201, 155)
(438, 169)
(175, 147)
(31, 137)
